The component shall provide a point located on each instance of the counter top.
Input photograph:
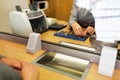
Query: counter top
(18, 51)
(48, 36)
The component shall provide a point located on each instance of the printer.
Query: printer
(23, 23)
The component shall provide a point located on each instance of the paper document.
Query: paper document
(108, 30)
(107, 61)
(83, 3)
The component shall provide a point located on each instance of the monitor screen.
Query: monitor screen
(42, 5)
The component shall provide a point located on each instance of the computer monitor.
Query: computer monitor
(42, 5)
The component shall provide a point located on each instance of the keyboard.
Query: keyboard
(57, 26)
(70, 35)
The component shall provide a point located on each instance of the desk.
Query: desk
(18, 51)
(49, 37)
(93, 74)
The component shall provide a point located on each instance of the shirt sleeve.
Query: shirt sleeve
(74, 13)
(1, 56)
(82, 16)
(8, 73)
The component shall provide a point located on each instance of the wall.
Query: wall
(60, 9)
(7, 6)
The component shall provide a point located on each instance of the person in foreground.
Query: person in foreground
(11, 69)
(81, 18)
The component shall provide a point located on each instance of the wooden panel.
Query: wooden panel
(18, 51)
(59, 9)
(93, 74)
(50, 12)
(49, 36)
(63, 9)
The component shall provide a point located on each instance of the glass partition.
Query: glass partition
(109, 14)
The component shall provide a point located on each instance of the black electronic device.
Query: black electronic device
(18, 8)
(57, 26)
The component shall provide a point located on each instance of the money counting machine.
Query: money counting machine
(23, 23)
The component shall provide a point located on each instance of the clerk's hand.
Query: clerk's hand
(90, 30)
(77, 29)
(12, 63)
(29, 71)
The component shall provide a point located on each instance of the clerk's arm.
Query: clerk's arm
(27, 71)
(73, 21)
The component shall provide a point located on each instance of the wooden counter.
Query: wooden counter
(93, 74)
(49, 37)
(18, 51)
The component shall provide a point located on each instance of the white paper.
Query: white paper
(98, 4)
(108, 29)
(83, 3)
(105, 13)
(107, 61)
